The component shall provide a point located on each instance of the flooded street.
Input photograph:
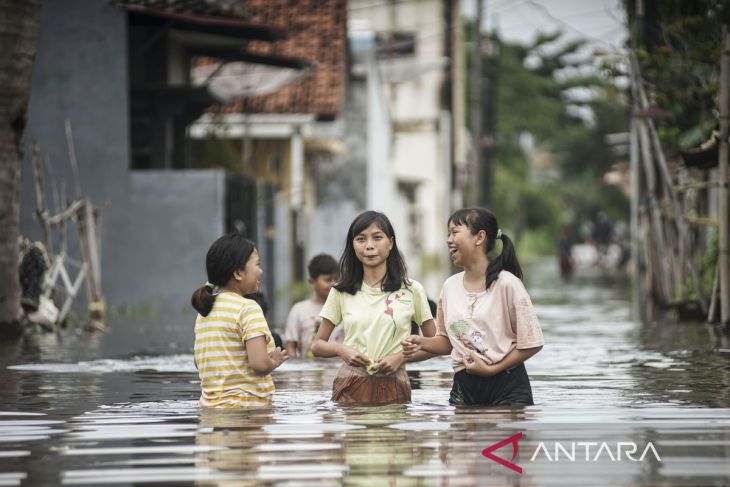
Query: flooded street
(604, 385)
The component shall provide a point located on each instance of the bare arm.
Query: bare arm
(291, 348)
(476, 365)
(321, 347)
(416, 345)
(428, 328)
(258, 357)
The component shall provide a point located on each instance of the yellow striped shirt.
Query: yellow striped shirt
(226, 378)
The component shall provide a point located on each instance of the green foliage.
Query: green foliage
(706, 268)
(297, 291)
(532, 99)
(535, 243)
(678, 52)
(215, 153)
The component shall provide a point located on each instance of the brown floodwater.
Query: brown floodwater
(617, 403)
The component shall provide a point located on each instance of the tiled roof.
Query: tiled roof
(317, 31)
(217, 8)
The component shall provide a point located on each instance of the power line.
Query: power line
(545, 12)
(377, 4)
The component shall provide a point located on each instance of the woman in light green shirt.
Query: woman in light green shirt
(376, 302)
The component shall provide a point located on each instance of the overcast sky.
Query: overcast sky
(598, 21)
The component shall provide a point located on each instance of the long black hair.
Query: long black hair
(351, 270)
(477, 219)
(227, 254)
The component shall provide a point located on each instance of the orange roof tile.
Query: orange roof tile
(317, 31)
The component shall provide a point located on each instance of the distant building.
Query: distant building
(123, 75)
(419, 64)
(275, 118)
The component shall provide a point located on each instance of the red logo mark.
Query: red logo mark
(487, 452)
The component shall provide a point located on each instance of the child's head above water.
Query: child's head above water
(370, 241)
(322, 275)
(232, 264)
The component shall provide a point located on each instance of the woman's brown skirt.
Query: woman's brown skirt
(353, 385)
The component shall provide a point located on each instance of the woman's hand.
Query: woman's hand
(411, 345)
(474, 364)
(390, 364)
(279, 356)
(352, 357)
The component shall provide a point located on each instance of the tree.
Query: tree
(678, 48)
(18, 36)
(537, 116)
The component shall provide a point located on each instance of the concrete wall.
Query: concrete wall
(419, 160)
(341, 181)
(156, 225)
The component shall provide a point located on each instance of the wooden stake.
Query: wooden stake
(40, 198)
(676, 208)
(72, 158)
(662, 268)
(713, 296)
(723, 193)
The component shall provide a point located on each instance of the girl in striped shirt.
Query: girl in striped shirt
(234, 349)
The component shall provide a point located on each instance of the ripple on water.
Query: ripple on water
(12, 478)
(168, 364)
(287, 430)
(594, 381)
(421, 426)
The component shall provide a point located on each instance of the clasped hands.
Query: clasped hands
(386, 365)
(473, 363)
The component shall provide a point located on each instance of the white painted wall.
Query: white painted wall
(420, 152)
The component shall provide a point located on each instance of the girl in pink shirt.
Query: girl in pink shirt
(485, 318)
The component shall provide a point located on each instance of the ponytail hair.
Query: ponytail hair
(478, 219)
(227, 254)
(506, 261)
(203, 299)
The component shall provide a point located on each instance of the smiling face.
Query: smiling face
(464, 248)
(247, 279)
(372, 246)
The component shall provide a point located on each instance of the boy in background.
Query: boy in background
(303, 320)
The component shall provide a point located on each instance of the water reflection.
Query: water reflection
(68, 416)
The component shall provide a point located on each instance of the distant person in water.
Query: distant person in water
(303, 321)
(565, 255)
(234, 350)
(375, 302)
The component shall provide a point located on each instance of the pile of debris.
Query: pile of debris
(50, 277)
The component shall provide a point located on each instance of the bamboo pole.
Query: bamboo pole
(634, 161)
(682, 230)
(723, 244)
(476, 104)
(40, 197)
(713, 296)
(72, 158)
(661, 267)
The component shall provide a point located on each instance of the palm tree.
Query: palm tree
(18, 37)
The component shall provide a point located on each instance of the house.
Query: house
(394, 145)
(130, 78)
(417, 64)
(280, 119)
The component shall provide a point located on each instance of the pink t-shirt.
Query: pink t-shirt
(302, 325)
(495, 321)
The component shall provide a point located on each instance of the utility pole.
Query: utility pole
(486, 146)
(723, 258)
(478, 195)
(634, 219)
